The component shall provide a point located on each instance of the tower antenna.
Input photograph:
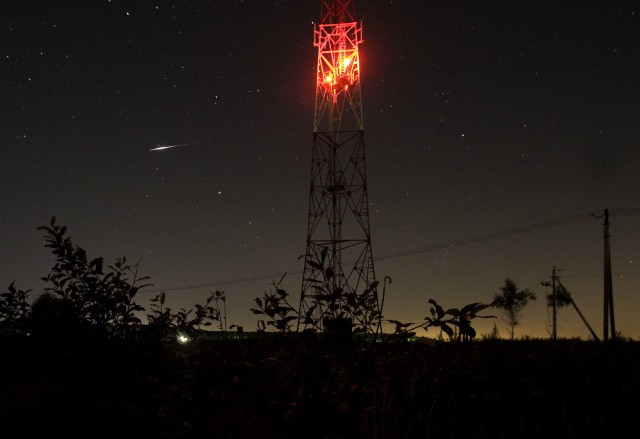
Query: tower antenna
(338, 279)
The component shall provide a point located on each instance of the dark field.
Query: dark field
(311, 386)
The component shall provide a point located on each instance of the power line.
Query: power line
(425, 249)
(624, 211)
(489, 236)
(222, 282)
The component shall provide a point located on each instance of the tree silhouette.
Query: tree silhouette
(511, 301)
(104, 298)
(87, 296)
(14, 310)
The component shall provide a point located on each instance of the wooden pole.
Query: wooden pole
(608, 315)
(554, 303)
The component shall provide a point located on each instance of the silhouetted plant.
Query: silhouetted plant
(275, 306)
(494, 334)
(159, 319)
(201, 315)
(329, 302)
(162, 321)
(446, 321)
(14, 310)
(54, 317)
(219, 298)
(103, 299)
(511, 301)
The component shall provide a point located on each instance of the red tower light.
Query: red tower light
(337, 38)
(338, 58)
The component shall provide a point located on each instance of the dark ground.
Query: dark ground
(311, 386)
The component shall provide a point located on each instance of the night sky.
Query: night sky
(481, 117)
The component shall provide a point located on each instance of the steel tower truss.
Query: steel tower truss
(339, 277)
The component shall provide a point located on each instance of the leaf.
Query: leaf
(470, 307)
(323, 254)
(310, 311)
(468, 330)
(438, 309)
(400, 327)
(96, 264)
(447, 329)
(282, 293)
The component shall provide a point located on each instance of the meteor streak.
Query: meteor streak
(161, 147)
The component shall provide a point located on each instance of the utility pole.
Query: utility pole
(608, 284)
(554, 303)
(560, 296)
(547, 284)
(554, 300)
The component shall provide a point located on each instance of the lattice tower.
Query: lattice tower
(338, 267)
